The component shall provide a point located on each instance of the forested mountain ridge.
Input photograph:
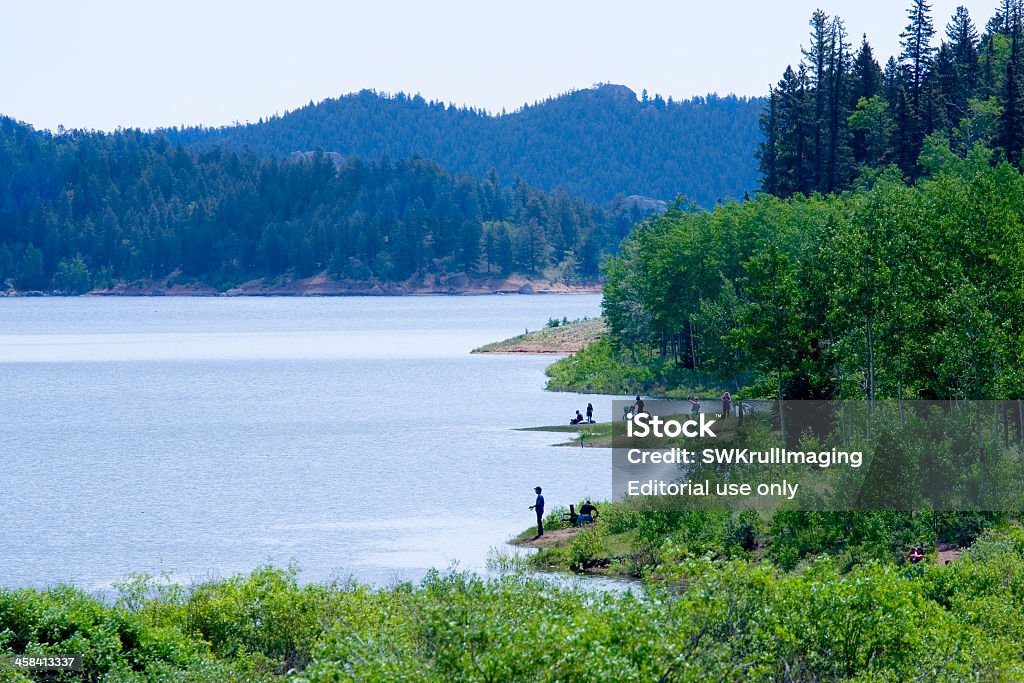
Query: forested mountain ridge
(594, 143)
(81, 211)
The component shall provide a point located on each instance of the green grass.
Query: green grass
(597, 435)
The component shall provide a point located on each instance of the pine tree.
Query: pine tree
(1007, 13)
(867, 84)
(917, 50)
(867, 73)
(904, 144)
(945, 76)
(767, 153)
(891, 78)
(934, 104)
(794, 115)
(840, 167)
(963, 43)
(818, 56)
(1011, 122)
(916, 62)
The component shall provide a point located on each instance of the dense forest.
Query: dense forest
(896, 292)
(82, 210)
(894, 275)
(594, 143)
(838, 116)
(883, 264)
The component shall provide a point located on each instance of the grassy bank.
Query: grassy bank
(639, 540)
(598, 369)
(723, 620)
(558, 336)
(597, 435)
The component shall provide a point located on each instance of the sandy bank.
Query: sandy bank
(563, 339)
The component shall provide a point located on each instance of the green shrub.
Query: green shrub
(716, 620)
(744, 531)
(265, 613)
(586, 546)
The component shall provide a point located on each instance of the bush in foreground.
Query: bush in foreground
(728, 620)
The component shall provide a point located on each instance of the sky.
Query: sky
(106, 64)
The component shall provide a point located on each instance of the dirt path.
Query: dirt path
(550, 538)
(948, 553)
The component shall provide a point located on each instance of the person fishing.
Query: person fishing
(916, 558)
(538, 507)
(587, 513)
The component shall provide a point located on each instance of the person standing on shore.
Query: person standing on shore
(538, 507)
(590, 413)
(726, 405)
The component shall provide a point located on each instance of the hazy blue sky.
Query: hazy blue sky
(107, 63)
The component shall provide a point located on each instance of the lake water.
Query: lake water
(199, 437)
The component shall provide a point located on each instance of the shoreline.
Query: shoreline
(322, 284)
(558, 338)
(585, 435)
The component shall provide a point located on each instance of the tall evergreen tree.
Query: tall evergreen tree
(891, 80)
(1011, 123)
(905, 145)
(795, 121)
(867, 85)
(840, 168)
(818, 56)
(916, 59)
(867, 73)
(963, 43)
(947, 81)
(767, 153)
(917, 50)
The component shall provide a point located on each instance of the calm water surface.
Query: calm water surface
(200, 437)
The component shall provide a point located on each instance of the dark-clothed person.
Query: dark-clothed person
(538, 507)
(586, 515)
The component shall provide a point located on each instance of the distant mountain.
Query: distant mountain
(595, 143)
